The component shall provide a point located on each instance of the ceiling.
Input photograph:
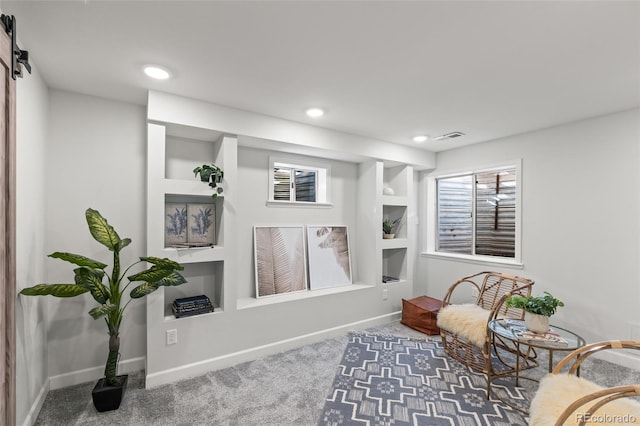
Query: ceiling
(385, 70)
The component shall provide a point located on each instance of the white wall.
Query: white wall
(581, 221)
(31, 350)
(253, 185)
(96, 158)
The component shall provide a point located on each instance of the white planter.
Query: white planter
(536, 323)
(388, 236)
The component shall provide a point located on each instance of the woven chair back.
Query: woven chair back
(496, 285)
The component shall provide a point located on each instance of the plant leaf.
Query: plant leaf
(102, 310)
(92, 280)
(151, 275)
(171, 280)
(78, 259)
(163, 263)
(142, 290)
(123, 243)
(101, 231)
(57, 290)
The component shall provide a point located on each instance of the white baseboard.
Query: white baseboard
(32, 416)
(94, 373)
(201, 367)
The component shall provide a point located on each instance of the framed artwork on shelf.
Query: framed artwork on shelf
(175, 224)
(329, 257)
(201, 224)
(280, 260)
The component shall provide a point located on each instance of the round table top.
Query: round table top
(558, 338)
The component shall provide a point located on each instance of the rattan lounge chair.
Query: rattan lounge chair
(464, 327)
(566, 399)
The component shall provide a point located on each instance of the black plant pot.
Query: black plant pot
(108, 397)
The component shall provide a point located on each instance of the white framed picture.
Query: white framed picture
(329, 256)
(280, 260)
(175, 224)
(201, 224)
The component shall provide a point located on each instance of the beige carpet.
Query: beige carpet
(284, 389)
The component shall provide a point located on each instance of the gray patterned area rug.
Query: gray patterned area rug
(389, 380)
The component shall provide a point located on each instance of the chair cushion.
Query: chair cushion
(557, 391)
(466, 320)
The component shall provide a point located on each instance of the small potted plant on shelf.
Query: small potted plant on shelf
(537, 310)
(388, 226)
(211, 174)
(89, 277)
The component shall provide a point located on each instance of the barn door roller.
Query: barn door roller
(20, 57)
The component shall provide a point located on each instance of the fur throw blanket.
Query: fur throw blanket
(558, 391)
(467, 320)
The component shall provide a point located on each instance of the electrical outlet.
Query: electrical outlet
(172, 337)
(385, 293)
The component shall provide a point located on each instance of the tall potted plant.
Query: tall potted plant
(89, 277)
(537, 310)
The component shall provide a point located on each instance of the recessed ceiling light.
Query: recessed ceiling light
(315, 112)
(420, 138)
(156, 72)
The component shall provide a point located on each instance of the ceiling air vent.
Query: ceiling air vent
(451, 135)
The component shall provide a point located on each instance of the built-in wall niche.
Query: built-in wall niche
(394, 265)
(392, 213)
(182, 155)
(395, 178)
(202, 278)
(186, 217)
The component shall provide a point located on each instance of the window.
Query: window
(297, 183)
(291, 184)
(476, 214)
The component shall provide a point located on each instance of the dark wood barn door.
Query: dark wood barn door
(7, 235)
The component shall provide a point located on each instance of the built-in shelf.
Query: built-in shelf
(395, 200)
(252, 302)
(394, 263)
(393, 212)
(394, 243)
(217, 311)
(193, 187)
(191, 255)
(395, 253)
(391, 283)
(180, 136)
(202, 278)
(170, 180)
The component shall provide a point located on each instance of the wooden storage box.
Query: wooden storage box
(421, 313)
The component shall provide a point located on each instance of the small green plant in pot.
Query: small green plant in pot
(90, 276)
(388, 225)
(537, 310)
(213, 175)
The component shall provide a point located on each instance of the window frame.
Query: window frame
(323, 181)
(430, 209)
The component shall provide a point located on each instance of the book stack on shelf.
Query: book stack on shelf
(189, 306)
